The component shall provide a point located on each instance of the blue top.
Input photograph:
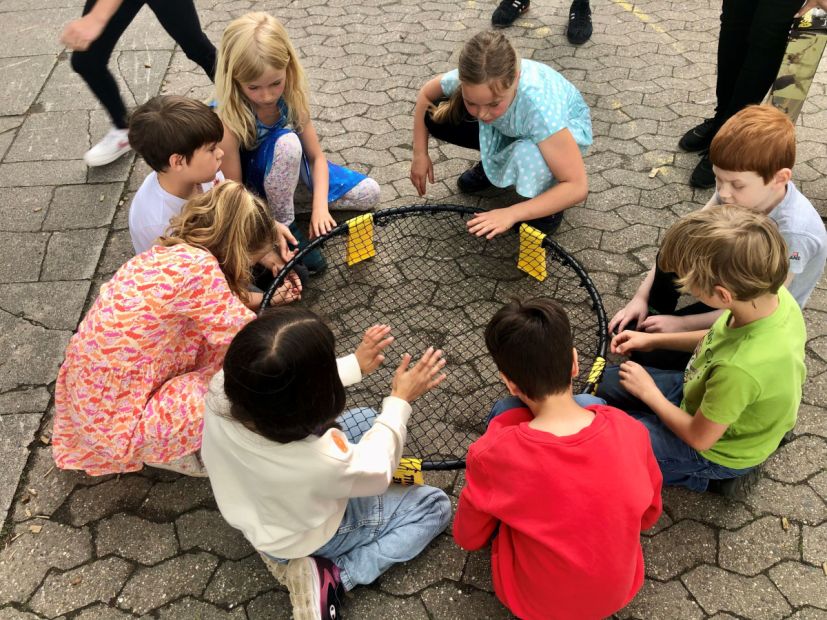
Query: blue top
(545, 103)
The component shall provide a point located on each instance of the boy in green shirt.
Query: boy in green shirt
(727, 413)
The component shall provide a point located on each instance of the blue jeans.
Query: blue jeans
(512, 402)
(680, 464)
(380, 531)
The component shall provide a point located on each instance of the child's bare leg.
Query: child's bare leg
(363, 197)
(280, 182)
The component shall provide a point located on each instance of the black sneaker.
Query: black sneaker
(699, 137)
(508, 11)
(579, 29)
(736, 488)
(702, 176)
(473, 180)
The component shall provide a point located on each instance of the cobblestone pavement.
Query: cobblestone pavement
(153, 544)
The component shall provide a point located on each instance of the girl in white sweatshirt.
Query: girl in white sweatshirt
(314, 500)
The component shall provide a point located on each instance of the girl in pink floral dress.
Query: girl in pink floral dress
(131, 389)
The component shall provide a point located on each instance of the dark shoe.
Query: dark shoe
(508, 12)
(473, 180)
(579, 29)
(736, 488)
(702, 176)
(699, 137)
(316, 591)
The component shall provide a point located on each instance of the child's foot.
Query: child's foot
(579, 29)
(699, 137)
(473, 180)
(508, 12)
(703, 177)
(736, 488)
(315, 589)
(189, 465)
(114, 144)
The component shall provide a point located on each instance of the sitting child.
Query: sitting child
(714, 424)
(294, 483)
(131, 389)
(563, 491)
(752, 156)
(269, 139)
(529, 123)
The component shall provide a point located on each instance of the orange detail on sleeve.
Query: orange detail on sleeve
(339, 441)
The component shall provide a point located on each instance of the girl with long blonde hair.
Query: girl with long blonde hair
(529, 123)
(269, 138)
(131, 389)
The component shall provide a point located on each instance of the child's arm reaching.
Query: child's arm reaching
(321, 221)
(563, 158)
(231, 162)
(638, 307)
(422, 168)
(627, 341)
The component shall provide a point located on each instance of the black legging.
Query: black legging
(178, 18)
(750, 50)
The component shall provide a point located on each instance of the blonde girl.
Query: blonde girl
(529, 123)
(269, 139)
(131, 389)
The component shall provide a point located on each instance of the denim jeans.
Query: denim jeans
(512, 402)
(380, 531)
(680, 464)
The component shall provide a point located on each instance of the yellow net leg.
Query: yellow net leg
(596, 372)
(360, 239)
(532, 257)
(409, 472)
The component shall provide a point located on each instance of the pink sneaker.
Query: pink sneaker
(316, 591)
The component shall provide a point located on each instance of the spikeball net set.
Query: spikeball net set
(418, 270)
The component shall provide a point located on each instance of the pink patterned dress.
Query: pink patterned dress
(131, 389)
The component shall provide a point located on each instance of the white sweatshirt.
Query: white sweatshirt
(289, 499)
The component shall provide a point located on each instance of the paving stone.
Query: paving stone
(102, 612)
(758, 545)
(73, 255)
(21, 255)
(707, 508)
(662, 600)
(117, 251)
(31, 354)
(188, 608)
(801, 584)
(37, 139)
(809, 613)
(413, 576)
(23, 78)
(811, 420)
(797, 460)
(34, 173)
(23, 400)
(23, 40)
(478, 570)
(149, 588)
(239, 581)
(16, 433)
(83, 206)
(751, 597)
(795, 502)
(815, 544)
(274, 605)
(169, 499)
(93, 503)
(35, 302)
(135, 539)
(696, 542)
(447, 601)
(23, 210)
(207, 530)
(96, 582)
(26, 559)
(369, 603)
(9, 613)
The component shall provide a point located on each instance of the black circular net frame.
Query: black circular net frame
(437, 285)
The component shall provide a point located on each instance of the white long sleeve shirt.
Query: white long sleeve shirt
(288, 499)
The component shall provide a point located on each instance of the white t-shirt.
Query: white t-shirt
(153, 207)
(289, 499)
(801, 226)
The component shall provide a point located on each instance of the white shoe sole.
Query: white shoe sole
(302, 581)
(94, 162)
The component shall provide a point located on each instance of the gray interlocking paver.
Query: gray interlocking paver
(801, 584)
(751, 597)
(759, 545)
(127, 536)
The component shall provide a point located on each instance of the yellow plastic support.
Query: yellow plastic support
(597, 370)
(360, 239)
(532, 258)
(409, 472)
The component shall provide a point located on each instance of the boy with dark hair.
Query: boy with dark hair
(714, 424)
(178, 138)
(562, 492)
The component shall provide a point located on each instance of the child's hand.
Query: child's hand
(636, 381)
(369, 352)
(321, 223)
(662, 323)
(422, 170)
(411, 383)
(634, 312)
(286, 239)
(289, 291)
(491, 223)
(627, 341)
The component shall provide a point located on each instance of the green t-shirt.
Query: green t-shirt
(750, 378)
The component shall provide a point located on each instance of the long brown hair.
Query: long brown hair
(486, 58)
(231, 224)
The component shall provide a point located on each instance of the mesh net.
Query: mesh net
(437, 285)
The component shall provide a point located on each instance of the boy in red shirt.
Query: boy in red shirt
(563, 490)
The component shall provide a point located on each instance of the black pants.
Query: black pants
(178, 18)
(750, 50)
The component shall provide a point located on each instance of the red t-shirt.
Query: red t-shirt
(569, 509)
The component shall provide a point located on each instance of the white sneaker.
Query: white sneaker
(114, 144)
